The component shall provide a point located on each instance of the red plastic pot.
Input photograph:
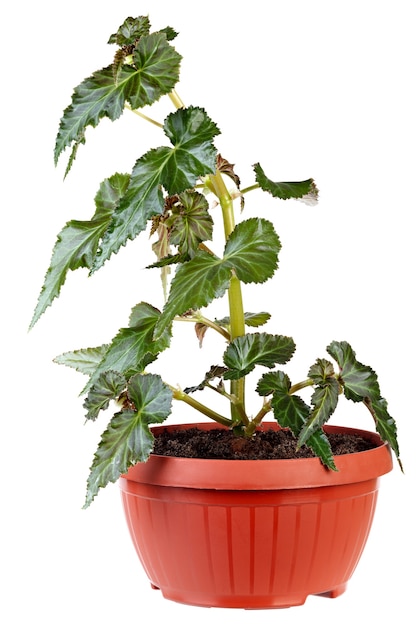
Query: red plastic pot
(252, 534)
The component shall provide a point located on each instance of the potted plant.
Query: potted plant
(281, 507)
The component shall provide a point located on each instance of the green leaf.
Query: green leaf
(195, 284)
(385, 424)
(292, 412)
(132, 29)
(108, 387)
(251, 319)
(85, 360)
(177, 169)
(243, 353)
(133, 348)
(216, 371)
(359, 381)
(128, 439)
(324, 400)
(78, 241)
(190, 223)
(251, 252)
(191, 132)
(155, 73)
(305, 190)
(321, 371)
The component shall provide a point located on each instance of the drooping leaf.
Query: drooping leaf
(243, 353)
(292, 412)
(385, 424)
(305, 190)
(177, 169)
(78, 241)
(155, 73)
(359, 381)
(228, 169)
(251, 252)
(108, 387)
(324, 400)
(128, 439)
(320, 444)
(84, 360)
(133, 348)
(360, 384)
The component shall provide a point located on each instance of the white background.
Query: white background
(322, 89)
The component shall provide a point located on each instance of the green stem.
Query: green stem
(251, 188)
(143, 116)
(176, 100)
(302, 385)
(237, 318)
(202, 408)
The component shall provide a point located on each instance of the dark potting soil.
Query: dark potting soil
(265, 444)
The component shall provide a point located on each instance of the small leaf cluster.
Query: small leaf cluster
(168, 192)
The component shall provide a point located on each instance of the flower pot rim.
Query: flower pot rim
(230, 474)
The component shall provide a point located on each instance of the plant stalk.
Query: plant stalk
(236, 311)
(202, 408)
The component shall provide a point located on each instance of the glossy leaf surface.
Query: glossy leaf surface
(244, 353)
(292, 412)
(251, 252)
(305, 190)
(176, 168)
(133, 348)
(127, 439)
(155, 73)
(78, 242)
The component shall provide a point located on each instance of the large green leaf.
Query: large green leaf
(243, 353)
(305, 190)
(128, 439)
(359, 381)
(193, 154)
(251, 252)
(195, 284)
(155, 72)
(133, 348)
(78, 241)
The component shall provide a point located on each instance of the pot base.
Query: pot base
(256, 603)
